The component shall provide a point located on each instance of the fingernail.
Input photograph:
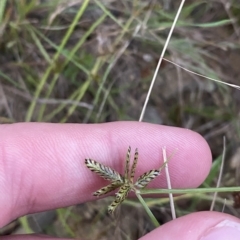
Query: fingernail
(224, 230)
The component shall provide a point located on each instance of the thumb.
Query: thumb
(199, 226)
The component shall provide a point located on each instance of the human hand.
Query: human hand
(42, 167)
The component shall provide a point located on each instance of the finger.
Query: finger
(199, 226)
(42, 165)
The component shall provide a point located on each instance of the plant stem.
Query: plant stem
(189, 190)
(149, 212)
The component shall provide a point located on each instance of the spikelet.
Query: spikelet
(103, 171)
(146, 178)
(134, 165)
(107, 189)
(120, 197)
(127, 163)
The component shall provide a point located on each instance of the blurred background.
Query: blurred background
(90, 61)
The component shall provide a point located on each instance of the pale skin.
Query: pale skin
(42, 167)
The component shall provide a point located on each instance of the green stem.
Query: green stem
(25, 225)
(189, 190)
(150, 214)
(2, 10)
(54, 60)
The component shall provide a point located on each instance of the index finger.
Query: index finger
(42, 165)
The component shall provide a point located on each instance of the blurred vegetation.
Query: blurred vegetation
(88, 61)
